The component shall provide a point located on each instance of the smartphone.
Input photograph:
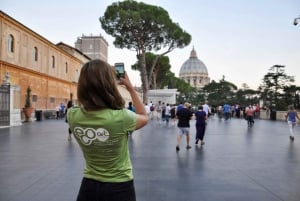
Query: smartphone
(120, 70)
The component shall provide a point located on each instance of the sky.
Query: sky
(237, 39)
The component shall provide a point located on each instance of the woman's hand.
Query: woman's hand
(126, 82)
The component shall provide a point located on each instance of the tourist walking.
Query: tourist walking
(163, 110)
(201, 118)
(249, 116)
(226, 111)
(69, 105)
(173, 115)
(62, 110)
(291, 119)
(167, 114)
(147, 108)
(158, 109)
(100, 126)
(206, 109)
(152, 108)
(57, 109)
(184, 115)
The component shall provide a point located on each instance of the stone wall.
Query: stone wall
(280, 115)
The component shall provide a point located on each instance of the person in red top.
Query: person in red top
(249, 116)
(257, 112)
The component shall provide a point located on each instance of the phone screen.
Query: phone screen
(120, 71)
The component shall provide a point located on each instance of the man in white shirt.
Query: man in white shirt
(206, 109)
(147, 108)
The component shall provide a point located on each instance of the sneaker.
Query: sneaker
(177, 148)
(292, 138)
(188, 147)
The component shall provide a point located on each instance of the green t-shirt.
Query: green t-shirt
(103, 138)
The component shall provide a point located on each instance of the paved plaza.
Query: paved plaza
(236, 163)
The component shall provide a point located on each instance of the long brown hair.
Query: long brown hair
(97, 87)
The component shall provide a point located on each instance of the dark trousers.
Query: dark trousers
(91, 190)
(250, 120)
(200, 131)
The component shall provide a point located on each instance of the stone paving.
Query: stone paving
(236, 163)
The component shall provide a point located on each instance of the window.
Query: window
(76, 75)
(53, 62)
(11, 43)
(52, 99)
(35, 54)
(34, 98)
(66, 67)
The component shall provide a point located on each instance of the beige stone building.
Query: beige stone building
(31, 60)
(95, 47)
(51, 71)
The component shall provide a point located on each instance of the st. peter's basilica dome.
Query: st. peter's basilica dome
(194, 71)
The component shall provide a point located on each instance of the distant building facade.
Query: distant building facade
(163, 95)
(51, 71)
(194, 71)
(95, 47)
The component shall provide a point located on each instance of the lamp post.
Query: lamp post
(296, 20)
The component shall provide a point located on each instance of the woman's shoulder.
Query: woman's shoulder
(74, 108)
(123, 113)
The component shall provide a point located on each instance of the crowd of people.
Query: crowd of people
(179, 115)
(164, 112)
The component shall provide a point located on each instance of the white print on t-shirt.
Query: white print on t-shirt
(88, 135)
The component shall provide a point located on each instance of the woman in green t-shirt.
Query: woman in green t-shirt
(101, 125)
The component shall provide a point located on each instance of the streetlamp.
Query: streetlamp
(296, 20)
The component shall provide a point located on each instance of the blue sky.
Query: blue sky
(240, 39)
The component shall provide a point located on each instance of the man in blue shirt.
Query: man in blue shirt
(226, 110)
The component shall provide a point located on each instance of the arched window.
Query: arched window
(66, 67)
(11, 43)
(53, 62)
(35, 54)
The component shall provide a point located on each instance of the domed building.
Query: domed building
(194, 71)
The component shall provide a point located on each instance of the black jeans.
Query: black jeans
(91, 190)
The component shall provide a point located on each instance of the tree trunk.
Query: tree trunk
(144, 77)
(154, 80)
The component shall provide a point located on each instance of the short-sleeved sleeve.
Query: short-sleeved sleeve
(130, 119)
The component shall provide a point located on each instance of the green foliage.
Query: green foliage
(139, 26)
(273, 86)
(219, 93)
(161, 70)
(291, 96)
(28, 98)
(246, 97)
(143, 28)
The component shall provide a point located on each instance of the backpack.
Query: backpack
(151, 108)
